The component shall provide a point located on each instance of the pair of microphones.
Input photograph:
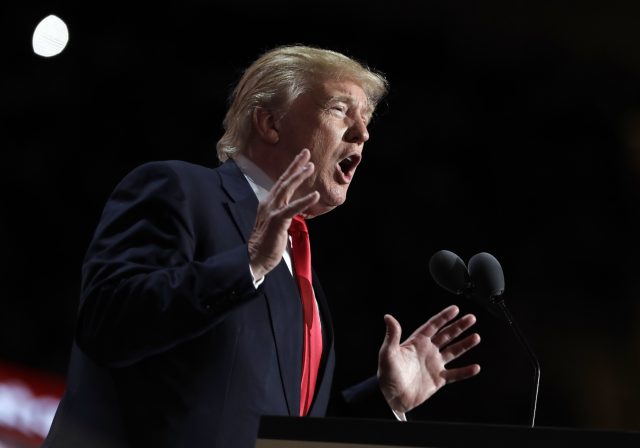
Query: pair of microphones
(482, 281)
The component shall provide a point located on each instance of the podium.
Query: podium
(308, 432)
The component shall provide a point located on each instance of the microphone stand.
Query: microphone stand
(499, 301)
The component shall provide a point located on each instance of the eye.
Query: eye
(339, 108)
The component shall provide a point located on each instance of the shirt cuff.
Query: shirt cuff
(258, 282)
(399, 415)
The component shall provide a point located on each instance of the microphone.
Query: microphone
(487, 274)
(482, 281)
(449, 272)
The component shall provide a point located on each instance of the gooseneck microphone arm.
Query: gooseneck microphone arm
(499, 301)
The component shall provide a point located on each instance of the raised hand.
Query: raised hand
(411, 372)
(268, 239)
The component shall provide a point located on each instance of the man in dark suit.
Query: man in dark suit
(191, 323)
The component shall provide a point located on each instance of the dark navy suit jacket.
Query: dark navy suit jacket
(174, 345)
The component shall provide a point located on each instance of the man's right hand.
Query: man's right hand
(268, 239)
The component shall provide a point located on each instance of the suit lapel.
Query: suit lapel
(280, 290)
(243, 204)
(286, 320)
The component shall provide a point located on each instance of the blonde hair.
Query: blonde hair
(279, 76)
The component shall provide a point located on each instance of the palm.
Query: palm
(269, 237)
(411, 372)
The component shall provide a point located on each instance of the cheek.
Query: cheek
(326, 145)
(320, 150)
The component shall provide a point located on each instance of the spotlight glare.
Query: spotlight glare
(50, 36)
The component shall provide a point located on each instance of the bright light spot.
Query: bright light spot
(50, 36)
(22, 411)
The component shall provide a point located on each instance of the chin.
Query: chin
(317, 210)
(323, 206)
(328, 201)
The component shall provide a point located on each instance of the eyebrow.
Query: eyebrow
(368, 110)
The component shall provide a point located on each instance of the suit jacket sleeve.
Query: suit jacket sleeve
(361, 400)
(144, 289)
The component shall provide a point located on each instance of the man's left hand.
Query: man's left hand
(412, 371)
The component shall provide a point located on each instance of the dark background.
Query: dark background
(511, 128)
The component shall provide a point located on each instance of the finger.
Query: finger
(393, 334)
(300, 205)
(461, 373)
(294, 175)
(287, 188)
(453, 351)
(299, 160)
(433, 325)
(452, 331)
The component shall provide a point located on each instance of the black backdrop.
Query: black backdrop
(511, 127)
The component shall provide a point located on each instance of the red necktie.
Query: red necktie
(312, 342)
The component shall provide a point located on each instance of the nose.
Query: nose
(357, 132)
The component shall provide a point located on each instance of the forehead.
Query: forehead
(343, 90)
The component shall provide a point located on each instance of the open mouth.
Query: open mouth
(349, 164)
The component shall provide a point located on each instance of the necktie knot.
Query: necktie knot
(301, 250)
(298, 225)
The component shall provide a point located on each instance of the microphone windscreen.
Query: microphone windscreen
(486, 275)
(449, 271)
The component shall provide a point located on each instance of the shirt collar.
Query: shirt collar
(258, 180)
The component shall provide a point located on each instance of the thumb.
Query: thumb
(394, 331)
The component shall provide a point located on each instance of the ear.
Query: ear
(264, 124)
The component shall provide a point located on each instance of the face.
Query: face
(331, 121)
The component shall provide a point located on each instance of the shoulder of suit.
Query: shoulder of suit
(178, 169)
(188, 175)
